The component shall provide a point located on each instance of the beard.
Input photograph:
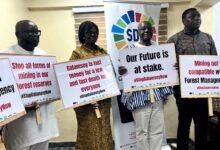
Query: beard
(29, 45)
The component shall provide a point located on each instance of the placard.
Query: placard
(35, 77)
(149, 67)
(86, 80)
(199, 76)
(11, 106)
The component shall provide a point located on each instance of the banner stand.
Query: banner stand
(210, 106)
(152, 100)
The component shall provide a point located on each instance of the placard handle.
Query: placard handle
(210, 106)
(38, 116)
(97, 112)
(152, 100)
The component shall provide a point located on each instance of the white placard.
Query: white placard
(149, 67)
(11, 106)
(86, 80)
(35, 77)
(199, 76)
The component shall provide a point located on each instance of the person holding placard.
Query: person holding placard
(93, 133)
(25, 133)
(148, 117)
(192, 41)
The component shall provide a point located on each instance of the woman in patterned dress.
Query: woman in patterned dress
(93, 133)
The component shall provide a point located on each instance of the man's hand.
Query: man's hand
(32, 106)
(176, 65)
(122, 70)
(35, 105)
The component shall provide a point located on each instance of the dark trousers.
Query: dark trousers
(196, 109)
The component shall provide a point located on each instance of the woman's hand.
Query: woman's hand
(94, 104)
(176, 65)
(122, 70)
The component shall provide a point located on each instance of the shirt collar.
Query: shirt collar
(187, 33)
(89, 50)
(21, 50)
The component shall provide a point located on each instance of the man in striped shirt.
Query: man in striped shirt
(148, 117)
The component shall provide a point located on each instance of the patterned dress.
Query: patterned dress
(93, 133)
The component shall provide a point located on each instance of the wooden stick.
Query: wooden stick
(2, 147)
(96, 108)
(152, 100)
(38, 116)
(1, 140)
(210, 106)
(97, 112)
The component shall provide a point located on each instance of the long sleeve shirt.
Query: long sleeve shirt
(199, 43)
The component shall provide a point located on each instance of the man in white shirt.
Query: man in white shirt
(25, 133)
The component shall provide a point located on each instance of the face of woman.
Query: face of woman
(91, 36)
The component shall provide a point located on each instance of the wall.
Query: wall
(57, 31)
(55, 19)
(11, 12)
(175, 18)
(216, 26)
(58, 39)
(61, 3)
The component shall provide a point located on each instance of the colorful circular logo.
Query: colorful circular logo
(125, 30)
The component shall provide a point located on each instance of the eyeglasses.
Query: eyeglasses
(32, 32)
(91, 32)
(147, 30)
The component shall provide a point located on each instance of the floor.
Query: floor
(65, 147)
(70, 146)
(62, 146)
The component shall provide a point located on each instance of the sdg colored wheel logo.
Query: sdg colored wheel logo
(125, 31)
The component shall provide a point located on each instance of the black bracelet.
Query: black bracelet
(30, 108)
(1, 129)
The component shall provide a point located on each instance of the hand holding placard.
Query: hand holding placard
(34, 77)
(149, 67)
(85, 81)
(11, 106)
(199, 76)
